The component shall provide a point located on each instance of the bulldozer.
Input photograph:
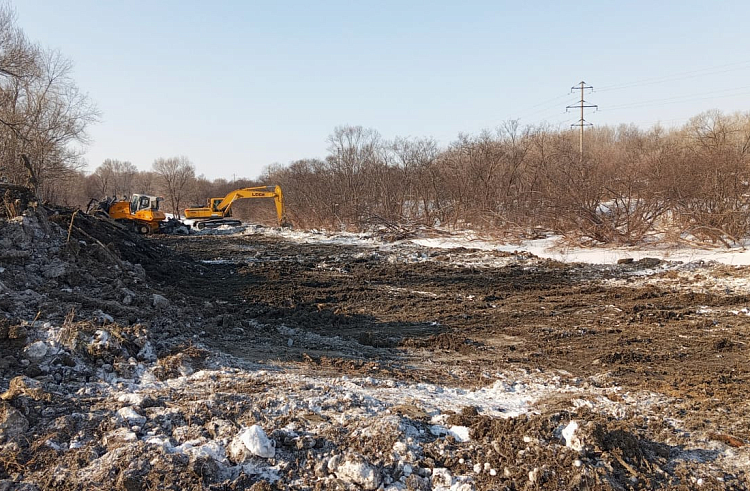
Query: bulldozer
(218, 211)
(140, 213)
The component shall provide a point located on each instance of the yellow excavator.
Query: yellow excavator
(140, 213)
(219, 210)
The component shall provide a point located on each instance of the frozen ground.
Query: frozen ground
(305, 360)
(551, 247)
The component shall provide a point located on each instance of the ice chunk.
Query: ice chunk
(571, 440)
(130, 415)
(460, 433)
(257, 442)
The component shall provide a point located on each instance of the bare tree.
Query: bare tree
(352, 149)
(115, 178)
(419, 183)
(43, 114)
(175, 176)
(145, 182)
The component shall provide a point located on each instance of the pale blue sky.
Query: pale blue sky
(237, 85)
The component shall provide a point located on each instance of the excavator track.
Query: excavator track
(220, 222)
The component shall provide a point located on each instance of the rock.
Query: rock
(133, 478)
(257, 442)
(359, 472)
(128, 296)
(417, 483)
(12, 422)
(55, 270)
(159, 301)
(33, 371)
(625, 260)
(139, 271)
(648, 262)
(35, 351)
(204, 466)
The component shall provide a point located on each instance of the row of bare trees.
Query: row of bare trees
(631, 184)
(43, 114)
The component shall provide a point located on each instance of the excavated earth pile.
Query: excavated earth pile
(269, 360)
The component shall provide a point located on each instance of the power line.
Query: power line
(741, 65)
(683, 98)
(551, 109)
(550, 103)
(582, 104)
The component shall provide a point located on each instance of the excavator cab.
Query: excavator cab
(142, 202)
(215, 202)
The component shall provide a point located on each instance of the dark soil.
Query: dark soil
(543, 316)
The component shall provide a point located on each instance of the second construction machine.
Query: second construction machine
(218, 211)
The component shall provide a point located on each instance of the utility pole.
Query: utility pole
(582, 104)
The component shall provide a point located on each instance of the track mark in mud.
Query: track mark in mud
(532, 314)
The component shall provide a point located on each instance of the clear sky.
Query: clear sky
(237, 85)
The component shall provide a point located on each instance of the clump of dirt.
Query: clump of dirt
(442, 341)
(183, 360)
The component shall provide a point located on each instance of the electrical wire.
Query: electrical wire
(719, 69)
(683, 98)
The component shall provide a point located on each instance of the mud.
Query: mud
(434, 321)
(533, 314)
(138, 363)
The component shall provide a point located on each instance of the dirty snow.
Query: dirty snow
(552, 247)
